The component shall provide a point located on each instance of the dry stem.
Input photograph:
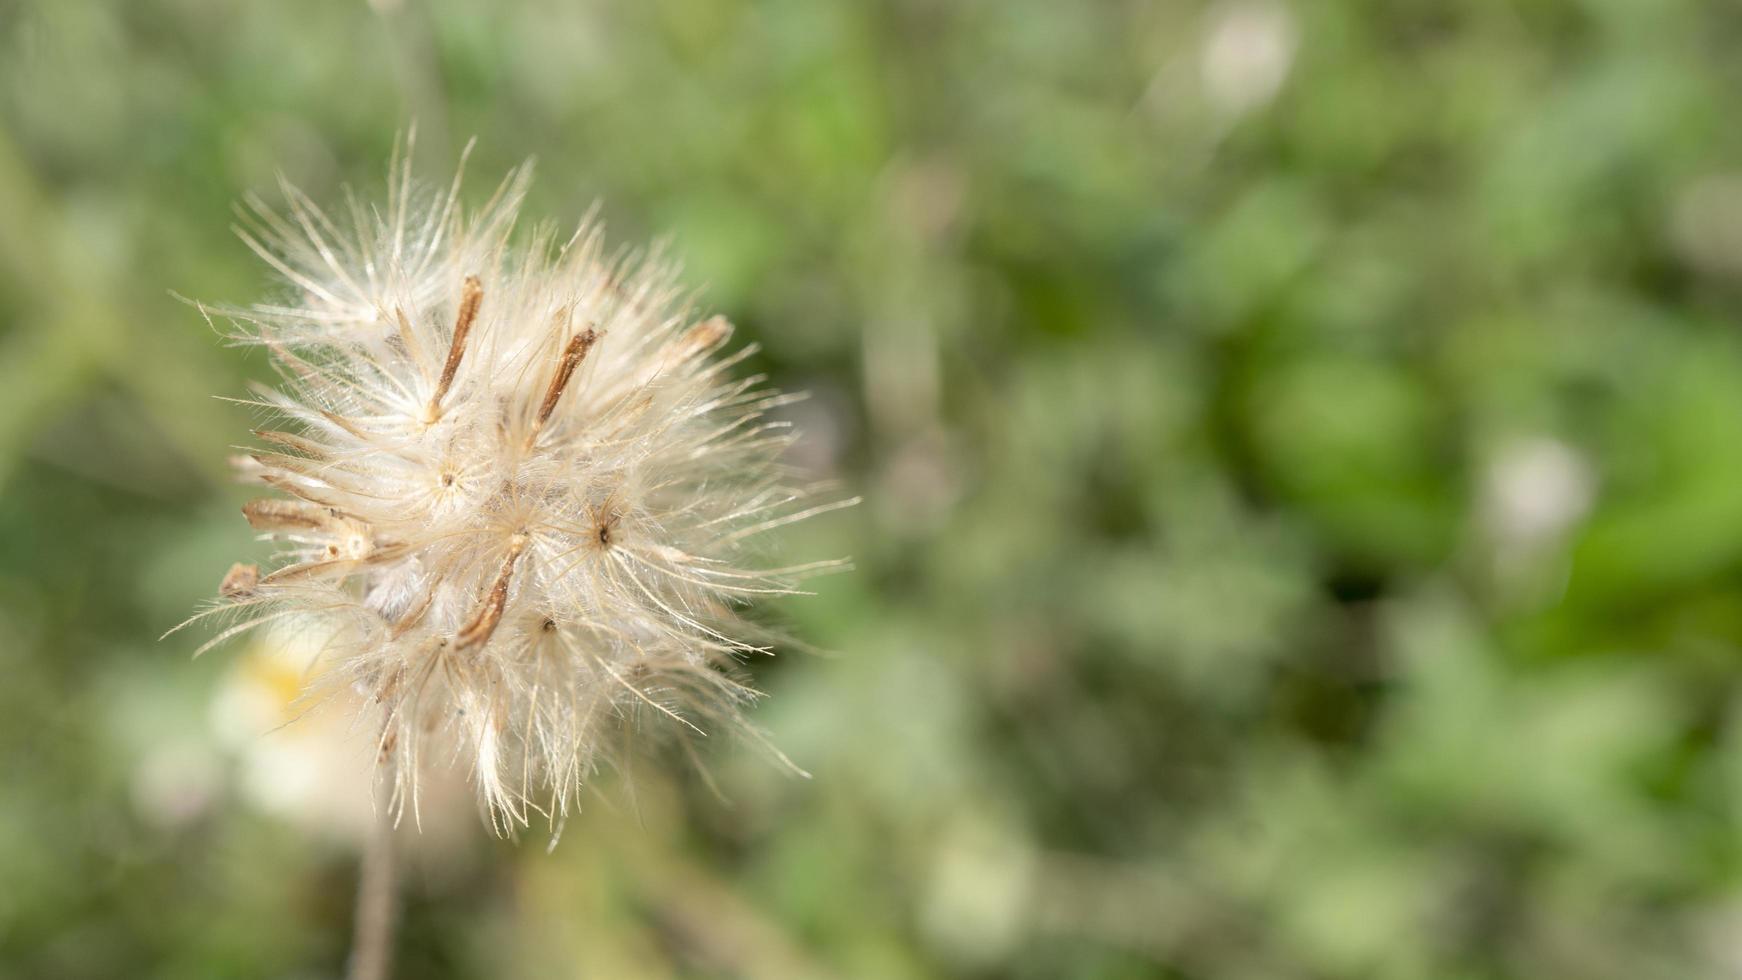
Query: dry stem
(377, 905)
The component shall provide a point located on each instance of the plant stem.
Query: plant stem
(377, 901)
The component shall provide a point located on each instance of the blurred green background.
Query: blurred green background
(1303, 522)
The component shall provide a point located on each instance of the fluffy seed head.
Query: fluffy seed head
(517, 486)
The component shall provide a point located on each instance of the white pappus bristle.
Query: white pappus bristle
(517, 488)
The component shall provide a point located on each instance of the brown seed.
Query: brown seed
(267, 514)
(413, 615)
(471, 297)
(389, 686)
(313, 495)
(320, 569)
(576, 350)
(699, 339)
(483, 625)
(240, 580)
(308, 469)
(344, 423)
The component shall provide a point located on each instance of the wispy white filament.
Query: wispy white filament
(517, 487)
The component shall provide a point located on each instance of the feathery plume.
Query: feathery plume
(517, 489)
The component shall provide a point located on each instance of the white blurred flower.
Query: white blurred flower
(306, 760)
(1248, 49)
(1533, 493)
(1535, 490)
(979, 890)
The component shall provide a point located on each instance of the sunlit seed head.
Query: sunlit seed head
(516, 486)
